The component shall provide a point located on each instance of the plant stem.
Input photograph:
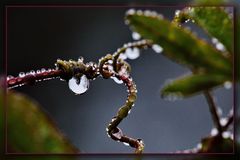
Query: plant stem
(33, 78)
(213, 111)
(229, 122)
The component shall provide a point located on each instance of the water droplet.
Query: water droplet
(220, 47)
(108, 67)
(199, 146)
(129, 111)
(140, 141)
(228, 85)
(113, 119)
(126, 22)
(21, 74)
(223, 121)
(214, 40)
(231, 112)
(123, 71)
(32, 72)
(214, 132)
(9, 77)
(157, 48)
(219, 111)
(117, 80)
(153, 14)
(173, 96)
(38, 71)
(43, 70)
(226, 134)
(130, 12)
(79, 86)
(107, 129)
(110, 61)
(117, 134)
(123, 56)
(139, 12)
(49, 70)
(132, 53)
(136, 36)
(147, 13)
(177, 13)
(126, 144)
(80, 59)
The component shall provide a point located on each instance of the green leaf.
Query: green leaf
(30, 129)
(214, 20)
(189, 85)
(181, 45)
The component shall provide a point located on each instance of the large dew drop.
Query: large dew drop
(79, 87)
(132, 53)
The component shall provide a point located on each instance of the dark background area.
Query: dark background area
(37, 36)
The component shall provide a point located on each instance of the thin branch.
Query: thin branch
(113, 131)
(31, 79)
(229, 122)
(213, 110)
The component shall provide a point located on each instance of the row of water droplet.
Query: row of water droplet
(32, 72)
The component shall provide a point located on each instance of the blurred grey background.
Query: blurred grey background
(37, 36)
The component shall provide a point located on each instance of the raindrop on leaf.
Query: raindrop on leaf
(136, 36)
(157, 48)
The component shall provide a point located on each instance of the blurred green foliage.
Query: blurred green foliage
(30, 129)
(210, 67)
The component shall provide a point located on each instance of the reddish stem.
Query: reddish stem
(33, 78)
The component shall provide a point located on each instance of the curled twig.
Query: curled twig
(110, 66)
(112, 129)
